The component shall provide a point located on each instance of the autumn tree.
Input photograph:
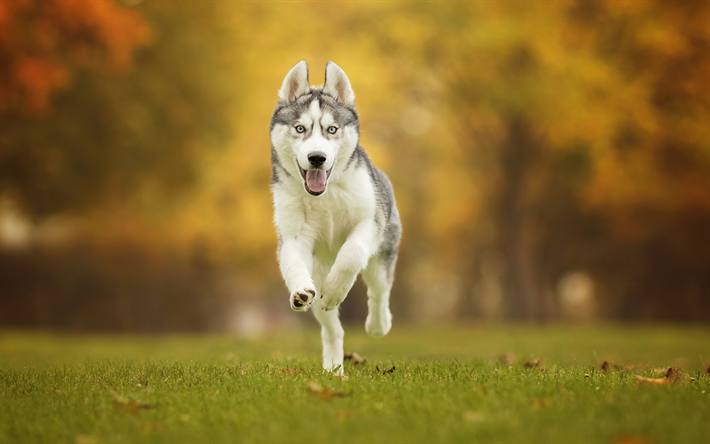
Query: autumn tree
(104, 103)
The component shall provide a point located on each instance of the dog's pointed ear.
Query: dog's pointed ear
(296, 83)
(337, 84)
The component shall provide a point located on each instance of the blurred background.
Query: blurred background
(551, 160)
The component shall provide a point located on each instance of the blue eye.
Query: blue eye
(332, 129)
(300, 129)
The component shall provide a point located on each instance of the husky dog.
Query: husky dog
(335, 212)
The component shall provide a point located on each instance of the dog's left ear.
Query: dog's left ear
(337, 84)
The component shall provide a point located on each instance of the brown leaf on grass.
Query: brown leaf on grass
(129, 404)
(316, 389)
(342, 376)
(624, 367)
(377, 370)
(357, 359)
(652, 381)
(607, 366)
(675, 376)
(672, 376)
(506, 358)
(532, 364)
(291, 371)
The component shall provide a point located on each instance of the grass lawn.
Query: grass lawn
(447, 386)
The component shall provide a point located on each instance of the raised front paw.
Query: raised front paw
(301, 300)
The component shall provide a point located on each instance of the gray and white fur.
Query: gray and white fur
(335, 212)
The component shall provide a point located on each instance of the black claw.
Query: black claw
(321, 296)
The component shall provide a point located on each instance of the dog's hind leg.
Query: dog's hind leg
(378, 276)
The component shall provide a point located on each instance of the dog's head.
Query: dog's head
(314, 129)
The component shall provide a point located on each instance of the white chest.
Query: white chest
(326, 220)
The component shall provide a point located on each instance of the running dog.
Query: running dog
(335, 212)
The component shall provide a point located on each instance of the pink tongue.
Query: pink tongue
(315, 179)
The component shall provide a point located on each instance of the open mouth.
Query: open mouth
(315, 180)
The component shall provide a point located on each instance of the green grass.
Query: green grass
(447, 387)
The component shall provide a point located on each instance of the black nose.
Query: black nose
(316, 159)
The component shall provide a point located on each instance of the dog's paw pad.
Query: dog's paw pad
(301, 300)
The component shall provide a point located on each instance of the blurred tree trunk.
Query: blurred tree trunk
(516, 219)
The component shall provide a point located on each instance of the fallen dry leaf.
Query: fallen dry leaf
(506, 358)
(357, 359)
(532, 364)
(652, 381)
(342, 376)
(672, 376)
(289, 371)
(624, 367)
(675, 376)
(377, 369)
(607, 366)
(129, 404)
(316, 389)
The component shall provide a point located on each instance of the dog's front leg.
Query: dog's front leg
(351, 259)
(296, 262)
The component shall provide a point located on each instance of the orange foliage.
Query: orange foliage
(43, 41)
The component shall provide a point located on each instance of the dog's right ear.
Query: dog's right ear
(296, 83)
